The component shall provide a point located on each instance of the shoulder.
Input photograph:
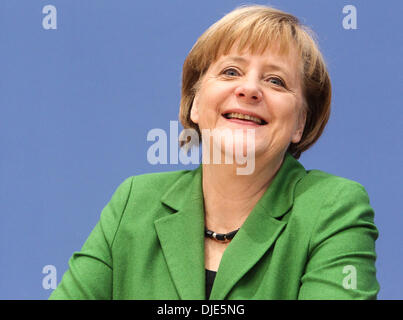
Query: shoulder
(150, 184)
(139, 196)
(322, 185)
(158, 180)
(143, 188)
(330, 201)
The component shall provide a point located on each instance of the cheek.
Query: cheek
(213, 100)
(282, 107)
(284, 113)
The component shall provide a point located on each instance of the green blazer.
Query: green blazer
(311, 236)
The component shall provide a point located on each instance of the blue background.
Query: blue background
(76, 105)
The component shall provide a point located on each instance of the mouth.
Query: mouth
(244, 118)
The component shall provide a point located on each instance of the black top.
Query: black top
(210, 276)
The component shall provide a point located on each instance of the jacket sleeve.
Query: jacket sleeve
(90, 270)
(341, 262)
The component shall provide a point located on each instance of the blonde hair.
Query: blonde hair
(256, 28)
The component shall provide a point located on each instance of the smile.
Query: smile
(244, 118)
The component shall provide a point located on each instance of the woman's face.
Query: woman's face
(266, 87)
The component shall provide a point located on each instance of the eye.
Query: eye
(277, 81)
(232, 72)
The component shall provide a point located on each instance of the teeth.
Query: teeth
(235, 115)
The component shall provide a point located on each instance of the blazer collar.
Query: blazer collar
(181, 233)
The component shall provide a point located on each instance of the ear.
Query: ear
(296, 137)
(194, 111)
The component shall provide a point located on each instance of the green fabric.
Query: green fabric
(299, 242)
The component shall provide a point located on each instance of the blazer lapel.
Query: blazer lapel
(181, 235)
(260, 230)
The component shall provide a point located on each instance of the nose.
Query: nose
(249, 92)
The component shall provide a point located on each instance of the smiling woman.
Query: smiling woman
(279, 232)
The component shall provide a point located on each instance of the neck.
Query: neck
(229, 198)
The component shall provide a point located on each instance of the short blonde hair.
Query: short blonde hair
(257, 27)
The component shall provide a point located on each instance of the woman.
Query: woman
(278, 232)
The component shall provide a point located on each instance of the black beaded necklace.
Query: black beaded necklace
(220, 236)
